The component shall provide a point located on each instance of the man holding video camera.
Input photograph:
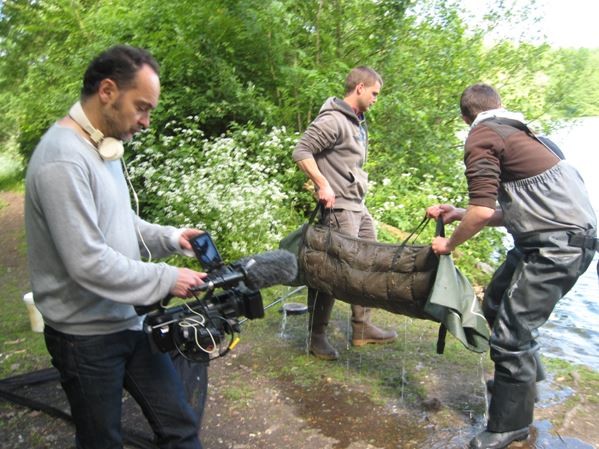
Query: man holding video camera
(85, 245)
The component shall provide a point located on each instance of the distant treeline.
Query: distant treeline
(275, 61)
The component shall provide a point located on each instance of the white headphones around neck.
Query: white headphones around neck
(109, 148)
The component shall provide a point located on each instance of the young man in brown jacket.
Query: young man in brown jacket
(544, 205)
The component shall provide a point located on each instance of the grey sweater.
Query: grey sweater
(338, 141)
(83, 249)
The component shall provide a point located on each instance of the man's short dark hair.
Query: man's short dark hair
(478, 98)
(359, 75)
(120, 64)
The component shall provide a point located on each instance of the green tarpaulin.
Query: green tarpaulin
(452, 303)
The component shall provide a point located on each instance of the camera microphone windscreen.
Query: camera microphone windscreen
(268, 269)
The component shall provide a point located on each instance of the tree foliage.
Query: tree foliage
(264, 64)
(276, 61)
(575, 92)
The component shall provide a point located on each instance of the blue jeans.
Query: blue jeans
(194, 375)
(93, 372)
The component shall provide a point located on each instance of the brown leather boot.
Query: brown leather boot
(320, 306)
(321, 348)
(364, 332)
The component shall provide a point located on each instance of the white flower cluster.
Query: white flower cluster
(227, 186)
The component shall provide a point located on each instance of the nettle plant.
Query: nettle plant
(231, 186)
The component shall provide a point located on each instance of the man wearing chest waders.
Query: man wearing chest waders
(544, 205)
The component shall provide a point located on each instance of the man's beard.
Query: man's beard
(113, 122)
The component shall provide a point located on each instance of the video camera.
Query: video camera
(198, 329)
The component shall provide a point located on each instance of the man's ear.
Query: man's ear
(107, 90)
(467, 120)
(359, 88)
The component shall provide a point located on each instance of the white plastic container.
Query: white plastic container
(35, 317)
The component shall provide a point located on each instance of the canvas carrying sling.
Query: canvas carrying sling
(394, 277)
(405, 279)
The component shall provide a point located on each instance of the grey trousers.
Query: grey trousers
(357, 224)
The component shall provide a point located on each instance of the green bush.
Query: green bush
(232, 186)
(12, 167)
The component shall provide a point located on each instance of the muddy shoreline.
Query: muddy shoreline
(269, 394)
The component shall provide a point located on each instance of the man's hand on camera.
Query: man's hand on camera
(186, 236)
(185, 281)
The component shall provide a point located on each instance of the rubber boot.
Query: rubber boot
(491, 382)
(497, 440)
(540, 368)
(320, 306)
(364, 332)
(510, 414)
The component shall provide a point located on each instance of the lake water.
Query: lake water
(572, 332)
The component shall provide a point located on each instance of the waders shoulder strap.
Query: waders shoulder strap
(546, 142)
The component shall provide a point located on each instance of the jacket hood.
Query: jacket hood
(338, 105)
(501, 113)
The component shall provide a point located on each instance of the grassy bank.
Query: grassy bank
(21, 350)
(11, 169)
(408, 369)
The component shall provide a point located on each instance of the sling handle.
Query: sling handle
(439, 229)
(320, 208)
